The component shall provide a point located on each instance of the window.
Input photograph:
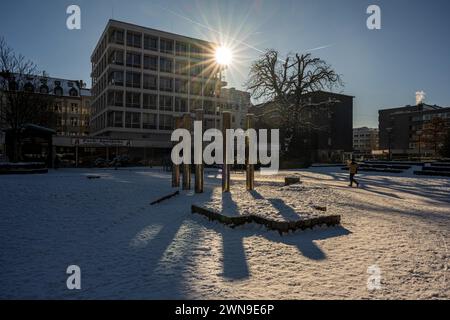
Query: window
(165, 103)
(151, 62)
(180, 105)
(166, 46)
(196, 70)
(150, 82)
(58, 91)
(165, 122)
(28, 87)
(116, 78)
(181, 86)
(116, 57)
(134, 39)
(150, 101)
(43, 89)
(196, 88)
(197, 104)
(181, 48)
(133, 59)
(166, 65)
(116, 36)
(150, 43)
(149, 121)
(165, 84)
(133, 80)
(115, 119)
(132, 120)
(133, 100)
(74, 108)
(115, 98)
(181, 67)
(196, 51)
(73, 92)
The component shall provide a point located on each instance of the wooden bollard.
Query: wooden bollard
(186, 166)
(199, 172)
(250, 168)
(175, 167)
(226, 124)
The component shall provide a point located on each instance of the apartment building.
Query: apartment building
(365, 140)
(142, 79)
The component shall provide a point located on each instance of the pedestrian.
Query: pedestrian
(353, 169)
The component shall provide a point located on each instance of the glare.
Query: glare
(224, 56)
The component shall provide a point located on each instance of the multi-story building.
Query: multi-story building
(143, 78)
(328, 118)
(402, 130)
(71, 102)
(239, 103)
(365, 140)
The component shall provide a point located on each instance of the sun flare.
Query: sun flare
(224, 56)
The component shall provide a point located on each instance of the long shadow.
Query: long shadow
(287, 212)
(235, 265)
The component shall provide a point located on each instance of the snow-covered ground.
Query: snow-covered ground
(129, 249)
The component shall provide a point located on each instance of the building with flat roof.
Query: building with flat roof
(142, 79)
(238, 102)
(365, 140)
(403, 130)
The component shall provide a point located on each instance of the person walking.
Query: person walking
(353, 169)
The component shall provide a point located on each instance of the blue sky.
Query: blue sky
(381, 68)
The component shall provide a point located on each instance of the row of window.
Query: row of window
(44, 89)
(155, 63)
(149, 81)
(153, 43)
(132, 120)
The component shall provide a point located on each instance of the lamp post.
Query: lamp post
(389, 132)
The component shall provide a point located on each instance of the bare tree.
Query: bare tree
(286, 82)
(20, 100)
(434, 134)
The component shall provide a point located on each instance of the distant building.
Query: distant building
(142, 79)
(365, 140)
(331, 127)
(401, 130)
(239, 103)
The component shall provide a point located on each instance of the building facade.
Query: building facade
(330, 133)
(407, 130)
(365, 140)
(142, 79)
(239, 103)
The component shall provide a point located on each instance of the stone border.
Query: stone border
(280, 226)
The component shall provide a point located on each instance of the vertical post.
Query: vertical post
(175, 167)
(199, 175)
(226, 124)
(250, 168)
(76, 156)
(187, 166)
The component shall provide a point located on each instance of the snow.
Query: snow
(128, 249)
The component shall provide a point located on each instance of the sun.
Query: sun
(224, 56)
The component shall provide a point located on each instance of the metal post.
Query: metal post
(226, 124)
(199, 175)
(175, 167)
(76, 156)
(186, 166)
(250, 168)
